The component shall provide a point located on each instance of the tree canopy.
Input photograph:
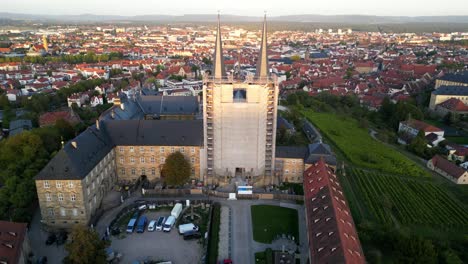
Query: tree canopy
(177, 169)
(86, 247)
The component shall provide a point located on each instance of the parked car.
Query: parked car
(187, 227)
(169, 224)
(192, 234)
(51, 239)
(142, 224)
(160, 223)
(152, 225)
(62, 238)
(142, 207)
(131, 225)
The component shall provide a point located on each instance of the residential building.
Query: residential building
(15, 247)
(448, 169)
(331, 232)
(452, 79)
(445, 93)
(72, 185)
(410, 128)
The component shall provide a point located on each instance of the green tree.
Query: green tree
(65, 129)
(419, 144)
(295, 57)
(85, 248)
(177, 169)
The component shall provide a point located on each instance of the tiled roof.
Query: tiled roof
(454, 104)
(451, 90)
(92, 145)
(331, 231)
(461, 77)
(11, 237)
(447, 166)
(420, 125)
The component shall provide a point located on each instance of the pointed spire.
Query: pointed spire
(219, 71)
(262, 63)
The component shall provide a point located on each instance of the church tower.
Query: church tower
(240, 121)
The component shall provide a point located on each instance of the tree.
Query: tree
(177, 169)
(295, 57)
(85, 248)
(419, 144)
(65, 129)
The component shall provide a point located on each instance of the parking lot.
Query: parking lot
(157, 245)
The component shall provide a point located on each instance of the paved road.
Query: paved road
(37, 238)
(243, 245)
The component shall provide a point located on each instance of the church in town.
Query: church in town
(229, 137)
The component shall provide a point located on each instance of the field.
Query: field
(402, 200)
(270, 221)
(360, 148)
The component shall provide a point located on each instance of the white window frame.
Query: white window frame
(59, 184)
(73, 197)
(46, 185)
(60, 197)
(48, 197)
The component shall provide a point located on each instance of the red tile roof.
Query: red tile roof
(454, 104)
(49, 118)
(331, 230)
(420, 125)
(11, 236)
(447, 166)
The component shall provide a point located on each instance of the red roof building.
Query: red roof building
(332, 234)
(49, 118)
(14, 247)
(448, 169)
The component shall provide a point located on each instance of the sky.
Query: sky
(238, 7)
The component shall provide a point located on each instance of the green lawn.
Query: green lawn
(360, 148)
(270, 221)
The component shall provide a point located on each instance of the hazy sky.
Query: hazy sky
(239, 7)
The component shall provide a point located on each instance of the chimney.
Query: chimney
(113, 114)
(122, 106)
(97, 124)
(74, 144)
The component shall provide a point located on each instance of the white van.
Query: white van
(187, 227)
(152, 225)
(169, 224)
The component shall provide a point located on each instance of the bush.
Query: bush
(214, 234)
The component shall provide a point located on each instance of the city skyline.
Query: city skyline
(241, 7)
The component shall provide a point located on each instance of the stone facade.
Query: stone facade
(135, 161)
(289, 169)
(65, 203)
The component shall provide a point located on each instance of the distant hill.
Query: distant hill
(345, 19)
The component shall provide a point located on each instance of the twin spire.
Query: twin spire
(219, 70)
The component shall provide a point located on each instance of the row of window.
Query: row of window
(149, 160)
(60, 197)
(161, 149)
(292, 172)
(63, 212)
(133, 171)
(59, 184)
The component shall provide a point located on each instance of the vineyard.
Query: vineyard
(358, 146)
(398, 200)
